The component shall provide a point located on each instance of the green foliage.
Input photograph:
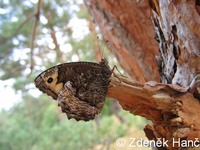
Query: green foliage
(42, 126)
(106, 111)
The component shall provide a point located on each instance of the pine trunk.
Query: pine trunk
(155, 41)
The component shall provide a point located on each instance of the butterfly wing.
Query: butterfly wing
(75, 108)
(52, 80)
(80, 88)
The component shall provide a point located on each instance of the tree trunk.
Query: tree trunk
(130, 34)
(130, 26)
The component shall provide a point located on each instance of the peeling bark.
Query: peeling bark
(172, 109)
(170, 105)
(177, 28)
(178, 33)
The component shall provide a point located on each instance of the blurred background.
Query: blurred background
(33, 37)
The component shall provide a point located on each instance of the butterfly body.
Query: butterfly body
(80, 87)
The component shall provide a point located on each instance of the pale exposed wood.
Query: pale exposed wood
(173, 111)
(177, 25)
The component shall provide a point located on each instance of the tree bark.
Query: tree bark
(172, 109)
(130, 33)
(177, 29)
(173, 104)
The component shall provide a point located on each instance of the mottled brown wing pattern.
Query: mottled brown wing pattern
(80, 88)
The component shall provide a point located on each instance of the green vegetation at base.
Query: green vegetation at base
(40, 125)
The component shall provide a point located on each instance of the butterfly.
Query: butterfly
(80, 88)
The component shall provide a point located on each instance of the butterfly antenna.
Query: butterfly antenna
(103, 48)
(98, 42)
(99, 45)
